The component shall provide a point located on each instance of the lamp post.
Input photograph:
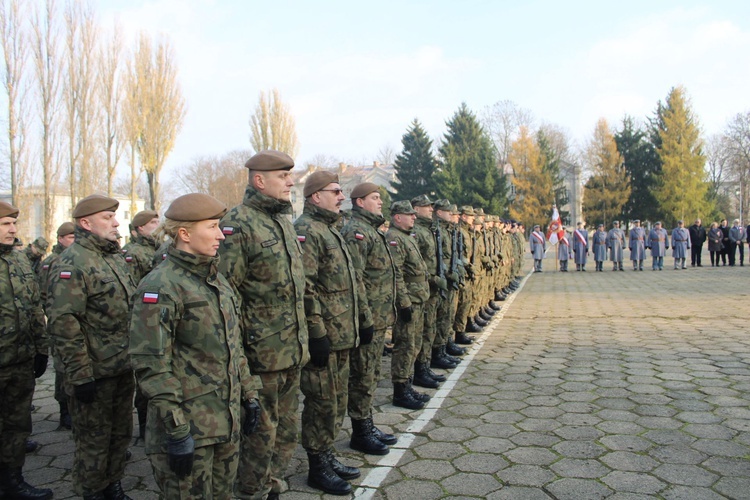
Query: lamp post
(738, 193)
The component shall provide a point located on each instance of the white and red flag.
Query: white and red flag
(554, 230)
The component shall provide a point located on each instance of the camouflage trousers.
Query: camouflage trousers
(102, 432)
(446, 313)
(430, 328)
(16, 393)
(364, 375)
(326, 393)
(213, 475)
(407, 341)
(265, 455)
(464, 306)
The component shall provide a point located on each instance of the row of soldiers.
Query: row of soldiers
(242, 310)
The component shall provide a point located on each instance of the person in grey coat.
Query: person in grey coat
(637, 245)
(736, 240)
(563, 251)
(538, 244)
(715, 245)
(616, 246)
(580, 245)
(658, 242)
(599, 244)
(680, 245)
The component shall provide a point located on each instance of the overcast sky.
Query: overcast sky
(356, 73)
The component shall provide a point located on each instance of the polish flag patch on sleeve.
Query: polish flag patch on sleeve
(359, 236)
(150, 298)
(65, 275)
(393, 243)
(163, 256)
(227, 230)
(301, 238)
(128, 258)
(45, 267)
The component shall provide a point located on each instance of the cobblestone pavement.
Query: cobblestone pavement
(618, 385)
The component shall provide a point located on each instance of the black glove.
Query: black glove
(85, 393)
(40, 364)
(404, 314)
(180, 455)
(365, 335)
(319, 351)
(252, 416)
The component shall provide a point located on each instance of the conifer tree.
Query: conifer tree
(533, 185)
(415, 166)
(551, 165)
(642, 166)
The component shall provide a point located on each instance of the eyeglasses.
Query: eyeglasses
(334, 191)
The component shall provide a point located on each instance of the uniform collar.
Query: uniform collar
(374, 220)
(89, 240)
(321, 214)
(256, 199)
(201, 265)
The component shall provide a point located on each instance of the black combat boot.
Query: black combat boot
(341, 470)
(494, 305)
(434, 376)
(114, 492)
(422, 379)
(454, 350)
(14, 486)
(403, 398)
(383, 437)
(364, 440)
(322, 477)
(463, 339)
(66, 422)
(447, 356)
(471, 327)
(500, 296)
(489, 311)
(31, 445)
(439, 361)
(479, 320)
(419, 396)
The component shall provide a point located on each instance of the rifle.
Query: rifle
(439, 251)
(456, 250)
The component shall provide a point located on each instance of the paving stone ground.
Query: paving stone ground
(618, 385)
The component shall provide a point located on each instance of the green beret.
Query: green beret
(8, 210)
(467, 210)
(402, 207)
(65, 229)
(317, 181)
(41, 243)
(443, 204)
(195, 207)
(94, 204)
(269, 161)
(421, 201)
(362, 190)
(143, 217)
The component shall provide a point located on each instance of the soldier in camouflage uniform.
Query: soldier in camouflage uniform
(331, 296)
(412, 291)
(34, 252)
(463, 319)
(23, 356)
(65, 238)
(88, 307)
(187, 354)
(262, 258)
(377, 273)
(428, 234)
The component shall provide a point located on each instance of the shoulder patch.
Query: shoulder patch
(128, 258)
(150, 298)
(45, 266)
(393, 243)
(301, 238)
(227, 230)
(163, 256)
(359, 236)
(65, 275)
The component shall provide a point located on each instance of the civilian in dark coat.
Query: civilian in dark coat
(697, 238)
(715, 245)
(724, 242)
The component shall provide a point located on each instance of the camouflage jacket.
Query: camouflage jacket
(160, 255)
(34, 259)
(139, 255)
(187, 354)
(22, 333)
(425, 236)
(262, 258)
(331, 289)
(467, 259)
(411, 271)
(88, 309)
(44, 271)
(374, 266)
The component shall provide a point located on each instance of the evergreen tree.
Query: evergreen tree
(607, 189)
(551, 165)
(469, 173)
(533, 184)
(681, 188)
(415, 166)
(642, 166)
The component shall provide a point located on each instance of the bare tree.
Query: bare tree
(272, 125)
(503, 121)
(718, 163)
(110, 96)
(223, 177)
(13, 42)
(48, 65)
(323, 161)
(737, 137)
(386, 155)
(133, 111)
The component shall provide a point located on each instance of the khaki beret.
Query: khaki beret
(65, 229)
(402, 207)
(41, 243)
(362, 190)
(94, 204)
(479, 212)
(195, 207)
(443, 204)
(317, 181)
(421, 201)
(143, 217)
(8, 210)
(269, 161)
(454, 209)
(467, 210)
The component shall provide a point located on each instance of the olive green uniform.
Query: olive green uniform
(463, 309)
(425, 230)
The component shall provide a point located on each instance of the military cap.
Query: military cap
(93, 204)
(143, 217)
(616, 223)
(479, 212)
(195, 207)
(65, 229)
(454, 209)
(601, 225)
(637, 220)
(41, 243)
(8, 210)
(443, 204)
(537, 226)
(467, 210)
(362, 190)
(421, 201)
(268, 161)
(402, 207)
(317, 181)
(657, 223)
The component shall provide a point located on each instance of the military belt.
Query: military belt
(414, 279)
